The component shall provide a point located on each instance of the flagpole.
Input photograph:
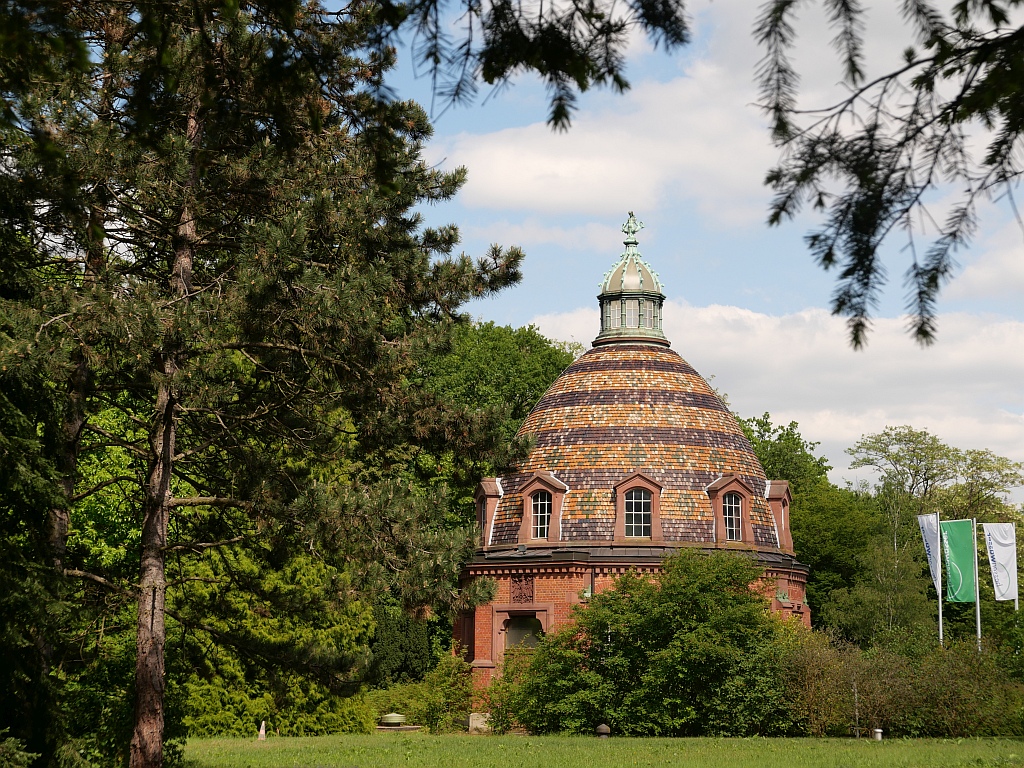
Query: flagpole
(977, 582)
(938, 569)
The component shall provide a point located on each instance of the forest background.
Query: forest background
(238, 406)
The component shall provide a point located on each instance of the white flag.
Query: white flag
(1001, 543)
(930, 534)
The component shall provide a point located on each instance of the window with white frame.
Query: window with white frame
(632, 313)
(648, 314)
(541, 515)
(614, 310)
(732, 507)
(638, 513)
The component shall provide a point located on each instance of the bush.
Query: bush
(687, 652)
(949, 692)
(297, 707)
(440, 702)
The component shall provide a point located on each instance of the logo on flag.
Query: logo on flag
(1001, 544)
(958, 542)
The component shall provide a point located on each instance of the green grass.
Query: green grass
(423, 751)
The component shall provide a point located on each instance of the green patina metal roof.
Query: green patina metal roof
(631, 295)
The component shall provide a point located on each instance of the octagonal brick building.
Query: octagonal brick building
(633, 457)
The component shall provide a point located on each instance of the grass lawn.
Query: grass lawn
(423, 751)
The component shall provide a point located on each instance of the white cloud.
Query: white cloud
(532, 232)
(692, 139)
(996, 270)
(966, 389)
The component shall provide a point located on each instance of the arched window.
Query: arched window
(541, 515)
(638, 513)
(732, 507)
(523, 630)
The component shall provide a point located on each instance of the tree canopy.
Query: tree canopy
(216, 293)
(949, 118)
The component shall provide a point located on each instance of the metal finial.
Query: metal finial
(630, 228)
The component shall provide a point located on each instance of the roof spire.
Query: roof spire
(629, 229)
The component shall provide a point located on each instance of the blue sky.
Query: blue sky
(687, 151)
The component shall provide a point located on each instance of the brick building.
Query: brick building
(634, 456)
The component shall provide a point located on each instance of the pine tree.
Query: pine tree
(218, 217)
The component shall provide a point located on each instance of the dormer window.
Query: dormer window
(732, 508)
(542, 496)
(541, 515)
(638, 513)
(637, 508)
(730, 496)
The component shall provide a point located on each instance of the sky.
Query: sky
(686, 150)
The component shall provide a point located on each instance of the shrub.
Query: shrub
(947, 692)
(440, 702)
(297, 707)
(687, 652)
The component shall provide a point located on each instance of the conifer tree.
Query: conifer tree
(221, 247)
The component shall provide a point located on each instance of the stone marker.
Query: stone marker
(263, 730)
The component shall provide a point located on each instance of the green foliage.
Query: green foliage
(401, 649)
(920, 689)
(888, 595)
(681, 653)
(832, 528)
(496, 374)
(217, 298)
(946, 117)
(498, 367)
(784, 453)
(13, 753)
(226, 705)
(440, 702)
(868, 576)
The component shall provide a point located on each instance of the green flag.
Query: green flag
(958, 541)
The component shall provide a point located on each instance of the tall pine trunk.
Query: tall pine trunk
(147, 739)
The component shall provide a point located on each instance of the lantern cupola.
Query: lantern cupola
(631, 296)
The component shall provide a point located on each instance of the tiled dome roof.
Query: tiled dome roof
(622, 408)
(634, 405)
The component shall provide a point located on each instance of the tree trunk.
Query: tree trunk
(147, 739)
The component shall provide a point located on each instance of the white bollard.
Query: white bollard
(876, 734)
